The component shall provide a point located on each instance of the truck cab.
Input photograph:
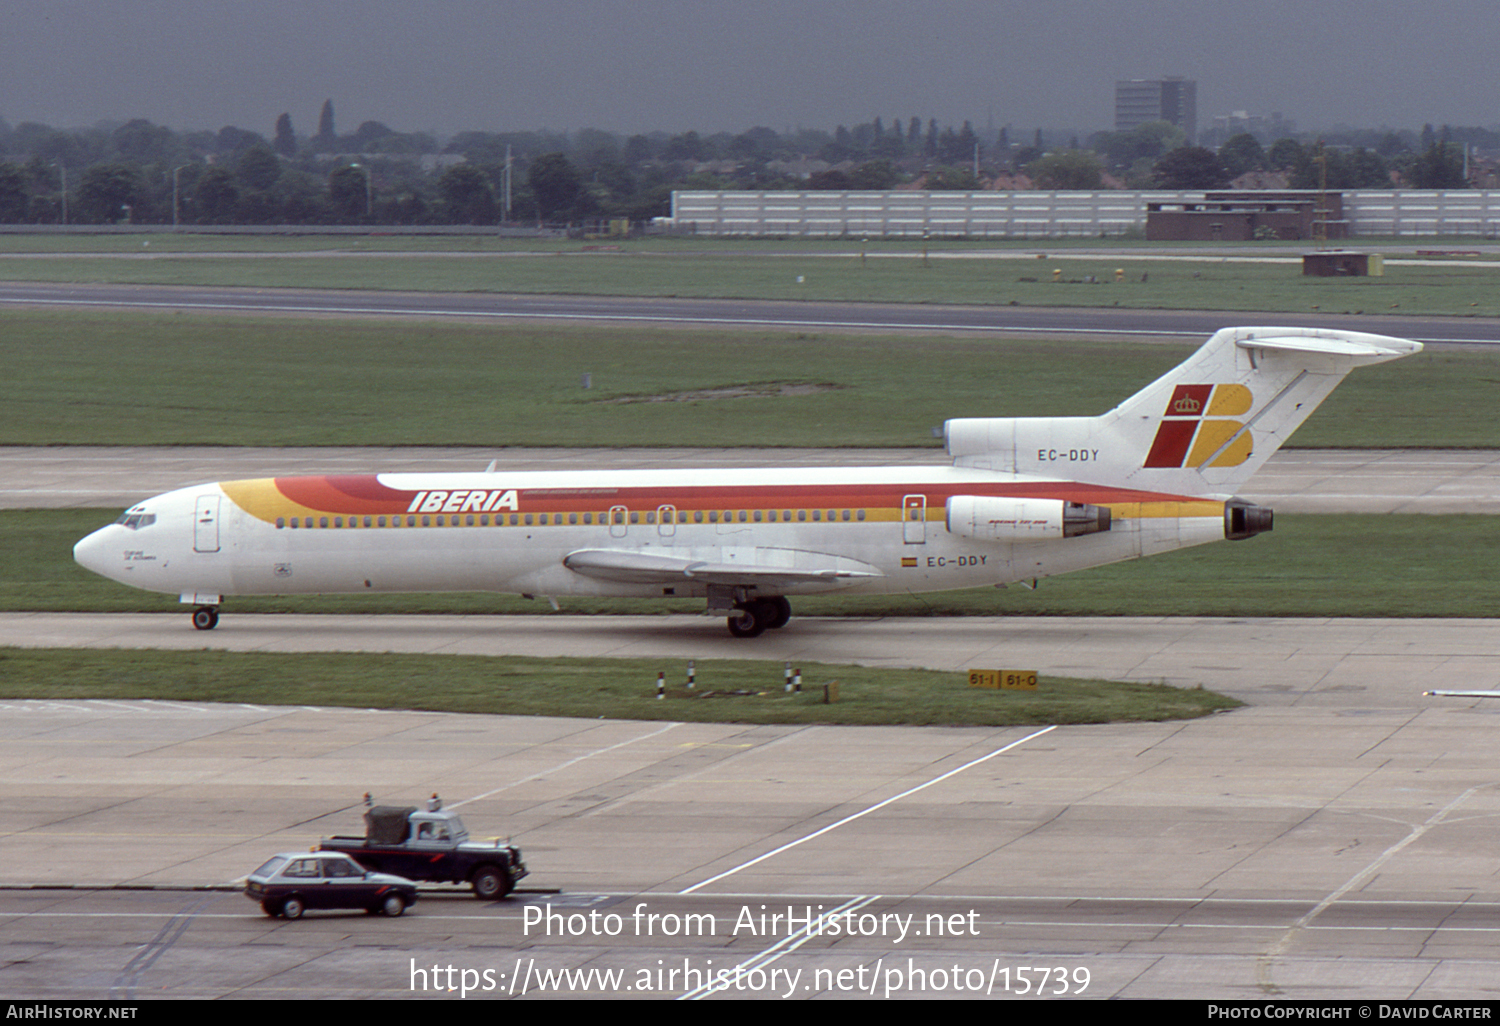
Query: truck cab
(432, 845)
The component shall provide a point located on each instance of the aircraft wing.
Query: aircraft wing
(765, 567)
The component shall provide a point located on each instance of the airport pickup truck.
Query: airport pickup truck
(432, 846)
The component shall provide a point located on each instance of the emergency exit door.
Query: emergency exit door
(914, 519)
(206, 524)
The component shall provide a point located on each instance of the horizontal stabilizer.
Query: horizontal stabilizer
(1361, 347)
(763, 567)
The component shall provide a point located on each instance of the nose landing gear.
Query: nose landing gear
(206, 618)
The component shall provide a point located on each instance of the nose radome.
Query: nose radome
(89, 553)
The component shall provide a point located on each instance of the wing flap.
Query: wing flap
(764, 567)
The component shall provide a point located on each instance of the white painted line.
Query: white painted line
(785, 946)
(865, 812)
(1267, 961)
(563, 766)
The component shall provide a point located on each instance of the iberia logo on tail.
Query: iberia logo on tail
(1197, 429)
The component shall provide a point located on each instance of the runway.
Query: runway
(1110, 322)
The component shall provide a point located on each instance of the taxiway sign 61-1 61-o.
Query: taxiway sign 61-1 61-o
(1023, 498)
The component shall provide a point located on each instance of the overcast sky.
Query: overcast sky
(728, 65)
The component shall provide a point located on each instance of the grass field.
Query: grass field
(179, 378)
(616, 688)
(956, 272)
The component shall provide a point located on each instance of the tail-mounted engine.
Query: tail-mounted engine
(1245, 519)
(995, 519)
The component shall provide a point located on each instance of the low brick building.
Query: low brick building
(1242, 216)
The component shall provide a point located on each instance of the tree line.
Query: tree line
(145, 173)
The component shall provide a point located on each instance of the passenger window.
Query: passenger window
(280, 522)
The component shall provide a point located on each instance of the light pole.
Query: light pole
(368, 197)
(62, 168)
(175, 170)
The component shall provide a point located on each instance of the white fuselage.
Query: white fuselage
(802, 531)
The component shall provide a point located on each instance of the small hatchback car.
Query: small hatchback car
(293, 882)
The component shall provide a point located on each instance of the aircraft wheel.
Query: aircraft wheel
(781, 612)
(205, 618)
(750, 621)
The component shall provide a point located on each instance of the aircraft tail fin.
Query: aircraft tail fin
(1202, 428)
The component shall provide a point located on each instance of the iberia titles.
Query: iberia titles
(478, 500)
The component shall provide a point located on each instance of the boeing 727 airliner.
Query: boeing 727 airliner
(1023, 498)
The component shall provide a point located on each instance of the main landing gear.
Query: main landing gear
(206, 618)
(759, 615)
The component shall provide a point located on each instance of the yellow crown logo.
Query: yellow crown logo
(1187, 404)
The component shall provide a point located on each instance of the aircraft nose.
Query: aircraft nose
(91, 552)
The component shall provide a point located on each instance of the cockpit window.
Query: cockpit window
(136, 521)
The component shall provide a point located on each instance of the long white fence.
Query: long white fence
(1410, 212)
(1010, 215)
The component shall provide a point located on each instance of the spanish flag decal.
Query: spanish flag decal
(1198, 426)
(908, 560)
